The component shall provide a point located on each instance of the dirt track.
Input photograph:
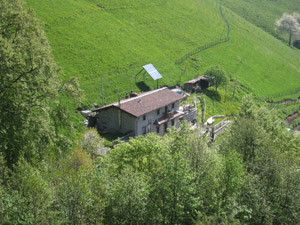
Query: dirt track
(286, 101)
(291, 118)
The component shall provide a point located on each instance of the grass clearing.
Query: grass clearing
(263, 13)
(92, 38)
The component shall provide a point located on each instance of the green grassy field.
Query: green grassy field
(114, 39)
(263, 13)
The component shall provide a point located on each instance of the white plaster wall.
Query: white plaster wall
(150, 119)
(152, 116)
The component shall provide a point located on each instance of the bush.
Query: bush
(297, 44)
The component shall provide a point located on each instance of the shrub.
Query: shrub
(296, 44)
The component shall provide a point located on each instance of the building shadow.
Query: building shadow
(142, 86)
(111, 136)
(212, 94)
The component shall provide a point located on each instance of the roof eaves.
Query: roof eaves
(113, 106)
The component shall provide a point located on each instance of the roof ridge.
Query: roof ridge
(139, 96)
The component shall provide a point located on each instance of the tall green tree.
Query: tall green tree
(278, 170)
(247, 133)
(216, 76)
(30, 111)
(29, 183)
(271, 158)
(127, 199)
(168, 191)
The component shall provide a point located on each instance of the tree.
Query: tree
(270, 188)
(31, 113)
(74, 199)
(35, 191)
(160, 163)
(297, 44)
(216, 75)
(207, 167)
(92, 142)
(252, 198)
(127, 199)
(297, 17)
(250, 130)
(297, 41)
(289, 23)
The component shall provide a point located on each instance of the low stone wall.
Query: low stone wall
(190, 115)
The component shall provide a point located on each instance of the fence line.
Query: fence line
(206, 46)
(270, 98)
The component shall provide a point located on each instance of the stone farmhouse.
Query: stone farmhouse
(152, 111)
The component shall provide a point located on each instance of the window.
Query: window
(144, 130)
(157, 129)
(166, 109)
(173, 105)
(158, 111)
(144, 117)
(173, 122)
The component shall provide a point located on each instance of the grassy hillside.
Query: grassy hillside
(263, 13)
(91, 38)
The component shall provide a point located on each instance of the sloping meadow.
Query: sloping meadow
(114, 39)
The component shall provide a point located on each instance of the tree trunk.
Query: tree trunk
(290, 39)
(225, 91)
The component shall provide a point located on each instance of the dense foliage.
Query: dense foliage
(216, 76)
(251, 176)
(30, 109)
(297, 44)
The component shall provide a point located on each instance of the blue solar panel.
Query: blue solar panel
(152, 71)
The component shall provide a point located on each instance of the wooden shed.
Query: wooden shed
(198, 83)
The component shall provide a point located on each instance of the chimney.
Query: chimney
(119, 103)
(133, 94)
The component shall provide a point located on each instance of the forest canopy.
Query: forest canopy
(250, 175)
(31, 110)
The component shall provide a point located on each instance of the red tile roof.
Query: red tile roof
(146, 102)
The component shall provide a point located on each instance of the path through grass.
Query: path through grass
(115, 38)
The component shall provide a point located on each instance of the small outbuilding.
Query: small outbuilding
(198, 83)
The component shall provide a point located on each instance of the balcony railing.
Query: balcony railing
(169, 114)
